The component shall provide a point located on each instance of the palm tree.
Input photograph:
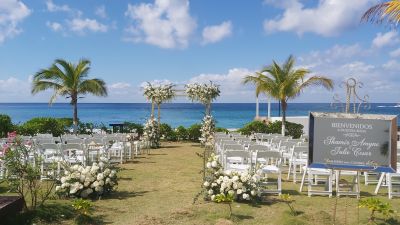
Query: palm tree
(69, 80)
(386, 12)
(285, 82)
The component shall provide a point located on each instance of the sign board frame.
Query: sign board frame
(318, 122)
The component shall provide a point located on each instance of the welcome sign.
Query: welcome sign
(353, 141)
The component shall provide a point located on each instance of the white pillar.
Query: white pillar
(269, 107)
(257, 109)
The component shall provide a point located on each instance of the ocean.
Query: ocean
(228, 115)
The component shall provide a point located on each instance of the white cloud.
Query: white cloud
(81, 25)
(120, 85)
(51, 7)
(12, 13)
(212, 34)
(165, 23)
(101, 11)
(386, 39)
(328, 18)
(395, 53)
(391, 65)
(54, 26)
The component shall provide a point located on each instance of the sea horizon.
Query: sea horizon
(227, 115)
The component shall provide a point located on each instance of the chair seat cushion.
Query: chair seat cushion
(270, 168)
(235, 159)
(239, 167)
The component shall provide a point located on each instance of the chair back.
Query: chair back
(233, 147)
(74, 141)
(260, 148)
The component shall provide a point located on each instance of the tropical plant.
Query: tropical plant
(194, 132)
(24, 170)
(284, 82)
(375, 205)
(84, 210)
(42, 125)
(181, 133)
(5, 125)
(286, 198)
(385, 12)
(69, 80)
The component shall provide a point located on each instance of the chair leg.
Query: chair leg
(379, 183)
(289, 170)
(280, 183)
(389, 180)
(302, 180)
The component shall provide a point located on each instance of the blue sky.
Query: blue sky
(131, 42)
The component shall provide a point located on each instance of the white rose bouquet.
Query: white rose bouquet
(242, 186)
(89, 181)
(151, 132)
(208, 130)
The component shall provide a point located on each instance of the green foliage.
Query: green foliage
(254, 127)
(288, 200)
(228, 198)
(194, 132)
(82, 207)
(167, 132)
(221, 129)
(292, 129)
(23, 176)
(43, 125)
(5, 125)
(375, 205)
(130, 127)
(181, 133)
(85, 128)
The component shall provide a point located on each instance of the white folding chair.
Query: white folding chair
(298, 159)
(313, 179)
(237, 160)
(51, 157)
(74, 153)
(270, 163)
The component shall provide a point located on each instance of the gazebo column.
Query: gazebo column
(269, 107)
(257, 108)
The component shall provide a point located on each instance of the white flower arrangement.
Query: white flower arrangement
(151, 133)
(84, 182)
(158, 93)
(243, 186)
(207, 131)
(203, 93)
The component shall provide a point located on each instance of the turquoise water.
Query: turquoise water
(229, 115)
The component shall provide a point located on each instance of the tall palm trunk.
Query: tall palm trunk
(284, 106)
(75, 115)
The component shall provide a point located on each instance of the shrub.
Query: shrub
(22, 175)
(5, 125)
(42, 125)
(167, 132)
(181, 133)
(194, 132)
(130, 127)
(221, 129)
(85, 128)
(254, 127)
(292, 129)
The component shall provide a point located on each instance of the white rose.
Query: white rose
(100, 176)
(206, 184)
(253, 193)
(101, 183)
(246, 196)
(108, 180)
(239, 191)
(101, 164)
(231, 192)
(208, 165)
(214, 184)
(63, 179)
(210, 192)
(58, 188)
(235, 178)
(214, 164)
(212, 197)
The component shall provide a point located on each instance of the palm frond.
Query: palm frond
(387, 12)
(95, 87)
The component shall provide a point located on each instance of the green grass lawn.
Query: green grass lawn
(159, 189)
